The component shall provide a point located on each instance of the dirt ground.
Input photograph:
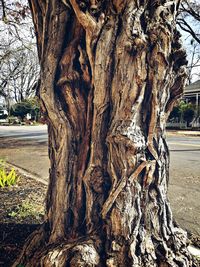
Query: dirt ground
(21, 212)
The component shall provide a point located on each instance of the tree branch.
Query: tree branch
(85, 19)
(4, 10)
(181, 22)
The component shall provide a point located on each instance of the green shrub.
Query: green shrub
(183, 112)
(7, 178)
(26, 106)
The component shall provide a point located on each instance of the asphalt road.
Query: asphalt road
(26, 147)
(184, 184)
(184, 150)
(185, 154)
(36, 133)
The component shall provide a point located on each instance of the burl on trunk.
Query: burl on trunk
(110, 74)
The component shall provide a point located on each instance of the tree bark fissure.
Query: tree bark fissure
(110, 74)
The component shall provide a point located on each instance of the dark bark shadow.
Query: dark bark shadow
(12, 239)
(13, 143)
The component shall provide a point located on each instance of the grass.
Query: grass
(26, 209)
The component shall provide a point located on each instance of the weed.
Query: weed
(7, 178)
(27, 209)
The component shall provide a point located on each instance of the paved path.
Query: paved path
(26, 146)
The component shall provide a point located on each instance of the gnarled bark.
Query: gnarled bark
(110, 74)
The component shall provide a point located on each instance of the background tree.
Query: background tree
(19, 66)
(183, 112)
(194, 61)
(189, 22)
(110, 74)
(21, 109)
(186, 111)
(26, 106)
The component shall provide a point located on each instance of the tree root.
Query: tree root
(88, 252)
(76, 253)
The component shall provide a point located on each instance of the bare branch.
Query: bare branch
(3, 10)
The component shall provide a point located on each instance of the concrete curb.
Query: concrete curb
(184, 133)
(26, 173)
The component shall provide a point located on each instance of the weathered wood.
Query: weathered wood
(110, 73)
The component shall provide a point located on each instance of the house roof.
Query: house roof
(193, 87)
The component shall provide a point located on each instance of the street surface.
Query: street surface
(184, 185)
(26, 147)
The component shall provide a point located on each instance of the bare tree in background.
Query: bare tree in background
(189, 22)
(19, 67)
(189, 18)
(194, 61)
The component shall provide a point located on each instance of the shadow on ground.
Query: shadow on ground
(12, 238)
(10, 143)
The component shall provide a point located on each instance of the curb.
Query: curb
(183, 133)
(27, 174)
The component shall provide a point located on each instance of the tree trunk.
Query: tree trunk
(110, 74)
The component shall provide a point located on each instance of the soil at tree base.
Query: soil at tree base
(14, 230)
(21, 212)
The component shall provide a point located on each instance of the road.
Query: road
(36, 133)
(185, 154)
(26, 146)
(184, 150)
(184, 185)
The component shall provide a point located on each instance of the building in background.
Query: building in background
(192, 95)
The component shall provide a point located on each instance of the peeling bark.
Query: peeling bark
(110, 74)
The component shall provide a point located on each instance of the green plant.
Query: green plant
(31, 106)
(183, 112)
(7, 178)
(27, 209)
(21, 109)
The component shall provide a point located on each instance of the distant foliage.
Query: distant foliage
(21, 109)
(183, 112)
(24, 107)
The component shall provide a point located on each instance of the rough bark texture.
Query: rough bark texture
(110, 74)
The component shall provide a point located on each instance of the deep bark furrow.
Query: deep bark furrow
(94, 177)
